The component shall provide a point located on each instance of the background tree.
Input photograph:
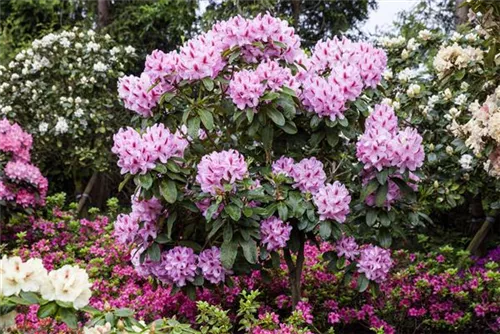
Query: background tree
(313, 20)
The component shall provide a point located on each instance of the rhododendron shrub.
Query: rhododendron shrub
(237, 144)
(22, 185)
(445, 85)
(61, 88)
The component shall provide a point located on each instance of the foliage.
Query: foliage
(62, 90)
(148, 25)
(21, 22)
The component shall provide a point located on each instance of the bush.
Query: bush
(62, 90)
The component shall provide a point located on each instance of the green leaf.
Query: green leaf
(325, 230)
(145, 181)
(250, 114)
(288, 91)
(198, 280)
(267, 137)
(212, 209)
(382, 176)
(289, 128)
(369, 189)
(154, 252)
(249, 250)
(381, 195)
(193, 126)
(47, 310)
(371, 217)
(208, 83)
(30, 297)
(64, 304)
(68, 317)
(228, 233)
(124, 182)
(124, 313)
(405, 189)
(168, 190)
(206, 118)
(233, 211)
(283, 211)
(162, 238)
(384, 237)
(215, 228)
(170, 223)
(363, 283)
(276, 116)
(166, 97)
(228, 252)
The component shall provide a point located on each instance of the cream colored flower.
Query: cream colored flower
(68, 284)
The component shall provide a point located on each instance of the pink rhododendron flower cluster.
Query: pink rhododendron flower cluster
(211, 266)
(22, 183)
(374, 262)
(202, 57)
(180, 265)
(136, 94)
(332, 202)
(140, 224)
(139, 153)
(308, 175)
(274, 233)
(347, 247)
(15, 141)
(263, 40)
(382, 146)
(219, 168)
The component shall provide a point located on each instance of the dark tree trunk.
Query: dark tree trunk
(296, 13)
(461, 12)
(86, 193)
(295, 271)
(102, 13)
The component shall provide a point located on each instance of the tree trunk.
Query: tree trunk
(478, 239)
(461, 12)
(295, 271)
(102, 13)
(85, 195)
(296, 13)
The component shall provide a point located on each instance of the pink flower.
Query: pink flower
(211, 266)
(15, 141)
(245, 89)
(180, 265)
(134, 156)
(273, 74)
(374, 262)
(283, 166)
(383, 116)
(374, 148)
(162, 66)
(323, 97)
(201, 57)
(332, 202)
(126, 228)
(162, 144)
(219, 168)
(146, 210)
(408, 150)
(136, 94)
(309, 175)
(347, 77)
(347, 247)
(274, 233)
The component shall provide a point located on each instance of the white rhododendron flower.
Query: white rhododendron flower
(17, 276)
(68, 284)
(61, 126)
(466, 162)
